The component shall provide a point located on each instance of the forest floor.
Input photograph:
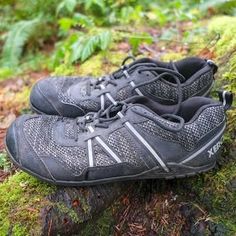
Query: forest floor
(201, 205)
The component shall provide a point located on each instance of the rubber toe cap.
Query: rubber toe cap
(11, 142)
(22, 154)
(41, 96)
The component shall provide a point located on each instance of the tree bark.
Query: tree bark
(30, 207)
(72, 207)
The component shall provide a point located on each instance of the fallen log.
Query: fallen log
(30, 207)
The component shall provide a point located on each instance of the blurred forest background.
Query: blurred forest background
(71, 37)
(38, 34)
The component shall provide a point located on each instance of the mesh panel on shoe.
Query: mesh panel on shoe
(191, 133)
(101, 158)
(62, 85)
(58, 82)
(124, 93)
(70, 131)
(162, 89)
(39, 134)
(89, 105)
(66, 99)
(199, 84)
(122, 144)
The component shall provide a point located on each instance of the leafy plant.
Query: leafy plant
(77, 24)
(80, 46)
(221, 6)
(136, 40)
(4, 163)
(19, 34)
(66, 5)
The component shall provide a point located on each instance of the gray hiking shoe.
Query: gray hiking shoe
(76, 96)
(139, 140)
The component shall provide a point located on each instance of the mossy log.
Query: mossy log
(73, 207)
(29, 207)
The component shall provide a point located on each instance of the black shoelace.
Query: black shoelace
(102, 119)
(146, 66)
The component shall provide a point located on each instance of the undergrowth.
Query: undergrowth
(77, 29)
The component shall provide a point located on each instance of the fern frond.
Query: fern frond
(86, 46)
(15, 41)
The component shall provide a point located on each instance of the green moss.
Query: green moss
(212, 189)
(103, 226)
(70, 212)
(172, 56)
(225, 27)
(23, 96)
(102, 63)
(230, 75)
(21, 199)
(93, 66)
(84, 205)
(215, 195)
(20, 230)
(64, 69)
(97, 65)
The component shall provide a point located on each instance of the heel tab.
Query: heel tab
(226, 97)
(213, 65)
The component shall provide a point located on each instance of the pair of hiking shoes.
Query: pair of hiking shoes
(148, 119)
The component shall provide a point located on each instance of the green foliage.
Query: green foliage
(225, 27)
(68, 5)
(221, 6)
(5, 72)
(80, 46)
(18, 194)
(16, 39)
(136, 40)
(4, 161)
(103, 226)
(86, 46)
(76, 27)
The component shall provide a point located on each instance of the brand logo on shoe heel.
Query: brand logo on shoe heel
(214, 149)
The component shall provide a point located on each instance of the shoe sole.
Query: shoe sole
(185, 171)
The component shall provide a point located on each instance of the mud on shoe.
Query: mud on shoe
(132, 140)
(76, 96)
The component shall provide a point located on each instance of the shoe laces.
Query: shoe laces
(103, 81)
(178, 78)
(104, 118)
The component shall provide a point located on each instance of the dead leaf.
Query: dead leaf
(6, 121)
